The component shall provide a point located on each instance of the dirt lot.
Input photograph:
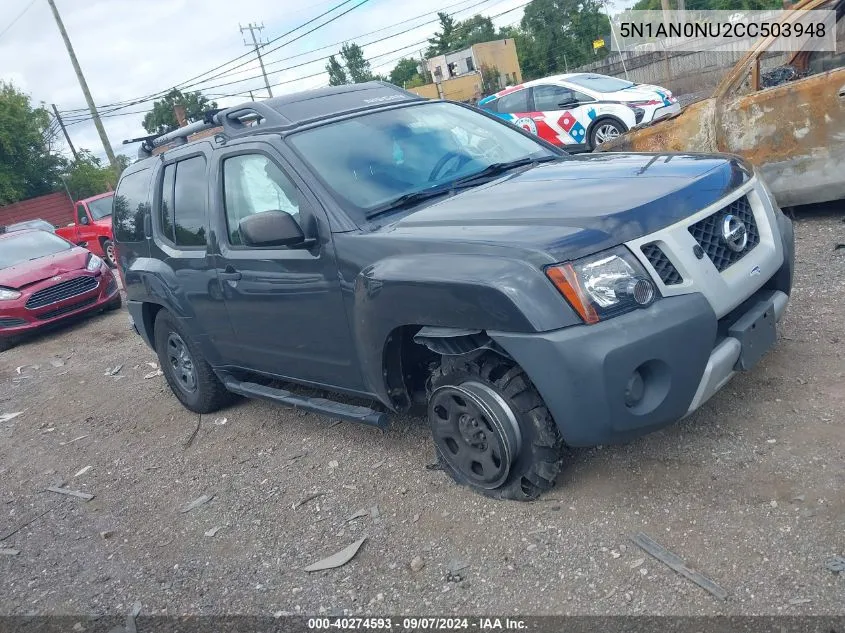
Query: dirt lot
(748, 490)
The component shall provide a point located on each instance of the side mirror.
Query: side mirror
(272, 228)
(71, 224)
(84, 220)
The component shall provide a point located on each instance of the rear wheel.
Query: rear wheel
(108, 250)
(187, 372)
(491, 428)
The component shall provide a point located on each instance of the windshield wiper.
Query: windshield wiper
(418, 196)
(408, 199)
(500, 168)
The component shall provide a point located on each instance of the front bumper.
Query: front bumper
(583, 373)
(683, 351)
(664, 111)
(16, 319)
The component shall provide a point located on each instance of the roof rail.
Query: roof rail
(209, 120)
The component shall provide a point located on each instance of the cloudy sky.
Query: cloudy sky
(130, 49)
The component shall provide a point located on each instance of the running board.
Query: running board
(348, 412)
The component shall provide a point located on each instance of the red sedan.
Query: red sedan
(44, 279)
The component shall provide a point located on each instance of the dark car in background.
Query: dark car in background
(45, 279)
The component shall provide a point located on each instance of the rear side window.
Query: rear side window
(514, 102)
(182, 215)
(130, 207)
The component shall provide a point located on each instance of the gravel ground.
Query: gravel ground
(749, 491)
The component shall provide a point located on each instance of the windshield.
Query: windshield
(31, 224)
(22, 247)
(600, 83)
(373, 159)
(101, 207)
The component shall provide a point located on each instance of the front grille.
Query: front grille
(665, 268)
(50, 314)
(708, 233)
(11, 321)
(61, 291)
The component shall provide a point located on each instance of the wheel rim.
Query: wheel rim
(110, 254)
(606, 132)
(475, 431)
(181, 364)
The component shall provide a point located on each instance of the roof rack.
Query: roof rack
(210, 119)
(283, 113)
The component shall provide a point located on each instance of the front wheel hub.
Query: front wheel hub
(475, 431)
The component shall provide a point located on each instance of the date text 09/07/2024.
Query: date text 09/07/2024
(417, 624)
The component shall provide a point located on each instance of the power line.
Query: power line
(111, 113)
(318, 59)
(156, 95)
(385, 28)
(18, 17)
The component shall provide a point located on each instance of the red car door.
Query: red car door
(85, 230)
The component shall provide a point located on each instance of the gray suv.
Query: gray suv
(373, 244)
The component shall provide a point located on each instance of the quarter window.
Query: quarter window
(166, 210)
(252, 183)
(130, 207)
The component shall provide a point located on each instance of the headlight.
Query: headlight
(603, 285)
(94, 263)
(8, 295)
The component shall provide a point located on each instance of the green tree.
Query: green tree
(471, 31)
(27, 167)
(88, 177)
(355, 68)
(489, 80)
(702, 5)
(405, 73)
(337, 73)
(161, 118)
(444, 38)
(556, 34)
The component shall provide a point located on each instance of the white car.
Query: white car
(579, 111)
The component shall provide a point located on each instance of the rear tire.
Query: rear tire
(188, 374)
(108, 251)
(491, 397)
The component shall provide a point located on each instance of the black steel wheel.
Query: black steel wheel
(475, 431)
(188, 374)
(181, 363)
(491, 428)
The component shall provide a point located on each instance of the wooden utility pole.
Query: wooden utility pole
(664, 4)
(64, 130)
(82, 84)
(252, 28)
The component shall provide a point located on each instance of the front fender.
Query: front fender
(462, 291)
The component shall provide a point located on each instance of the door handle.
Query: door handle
(229, 274)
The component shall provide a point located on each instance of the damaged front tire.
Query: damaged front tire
(491, 428)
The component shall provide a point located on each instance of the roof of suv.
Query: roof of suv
(288, 112)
